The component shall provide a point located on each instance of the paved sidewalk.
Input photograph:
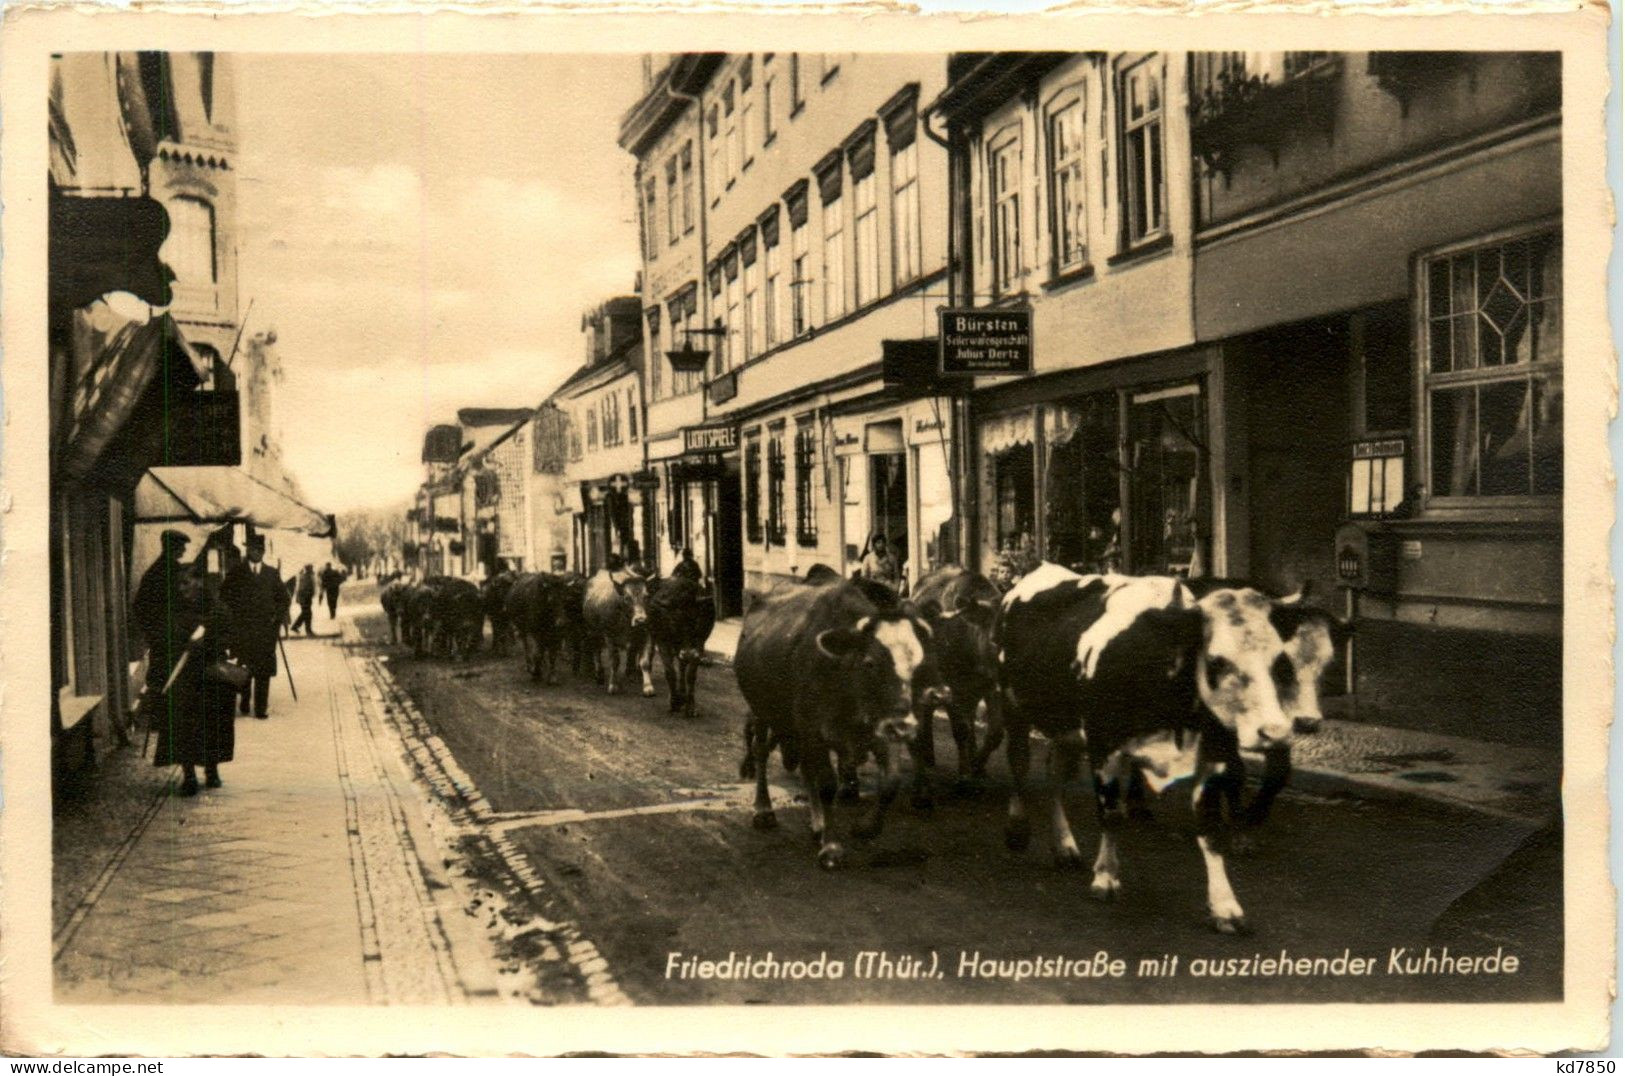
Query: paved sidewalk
(310, 878)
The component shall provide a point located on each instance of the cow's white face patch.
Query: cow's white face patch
(1237, 673)
(1044, 577)
(1127, 596)
(904, 646)
(1311, 650)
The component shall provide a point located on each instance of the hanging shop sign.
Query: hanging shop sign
(984, 342)
(697, 439)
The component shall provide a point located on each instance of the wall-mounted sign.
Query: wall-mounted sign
(710, 439)
(725, 388)
(972, 342)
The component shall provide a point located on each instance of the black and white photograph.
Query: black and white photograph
(540, 530)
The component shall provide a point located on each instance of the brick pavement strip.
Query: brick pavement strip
(312, 877)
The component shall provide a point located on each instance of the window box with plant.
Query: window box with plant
(1258, 99)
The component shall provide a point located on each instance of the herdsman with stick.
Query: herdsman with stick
(257, 601)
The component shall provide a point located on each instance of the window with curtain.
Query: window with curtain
(775, 488)
(1068, 201)
(1492, 364)
(1139, 110)
(753, 489)
(905, 213)
(1004, 175)
(806, 507)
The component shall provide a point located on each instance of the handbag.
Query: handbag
(229, 673)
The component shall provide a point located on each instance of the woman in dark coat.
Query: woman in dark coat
(196, 723)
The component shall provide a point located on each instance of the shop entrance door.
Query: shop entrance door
(728, 542)
(1169, 533)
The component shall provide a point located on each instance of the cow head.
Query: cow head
(886, 657)
(1242, 668)
(1311, 639)
(634, 592)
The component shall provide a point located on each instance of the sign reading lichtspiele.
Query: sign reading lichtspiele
(972, 342)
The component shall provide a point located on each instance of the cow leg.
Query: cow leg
(645, 652)
(848, 770)
(1064, 752)
(668, 662)
(1277, 770)
(689, 674)
(1017, 829)
(923, 750)
(1107, 883)
(1208, 799)
(820, 780)
(962, 722)
(758, 745)
(533, 657)
(995, 735)
(891, 782)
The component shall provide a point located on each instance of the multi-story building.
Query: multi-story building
(608, 493)
(693, 460)
(818, 292)
(1273, 293)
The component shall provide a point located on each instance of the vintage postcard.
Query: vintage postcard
(531, 533)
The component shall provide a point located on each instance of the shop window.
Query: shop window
(676, 502)
(806, 507)
(1168, 515)
(753, 490)
(1493, 369)
(1082, 489)
(775, 489)
(1014, 515)
(1139, 107)
(934, 507)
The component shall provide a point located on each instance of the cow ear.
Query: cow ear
(922, 629)
(838, 643)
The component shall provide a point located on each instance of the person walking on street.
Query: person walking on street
(256, 607)
(196, 727)
(161, 613)
(331, 580)
(305, 595)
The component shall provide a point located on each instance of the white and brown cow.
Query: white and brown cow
(617, 620)
(1151, 681)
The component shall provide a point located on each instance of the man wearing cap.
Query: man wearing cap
(258, 605)
(165, 613)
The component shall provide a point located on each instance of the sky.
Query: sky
(423, 233)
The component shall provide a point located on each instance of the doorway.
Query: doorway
(1169, 532)
(728, 543)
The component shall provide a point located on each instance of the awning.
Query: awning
(222, 495)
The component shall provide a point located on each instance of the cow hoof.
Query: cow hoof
(1068, 859)
(1232, 924)
(764, 820)
(830, 856)
(1017, 835)
(1105, 887)
(648, 692)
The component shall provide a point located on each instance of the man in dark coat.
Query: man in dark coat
(331, 579)
(687, 568)
(164, 615)
(195, 721)
(257, 606)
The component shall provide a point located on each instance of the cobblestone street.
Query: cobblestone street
(312, 876)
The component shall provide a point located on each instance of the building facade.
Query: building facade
(1296, 318)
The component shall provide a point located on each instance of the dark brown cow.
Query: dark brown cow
(681, 616)
(494, 596)
(960, 607)
(393, 599)
(826, 675)
(538, 610)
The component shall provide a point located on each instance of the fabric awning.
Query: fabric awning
(222, 495)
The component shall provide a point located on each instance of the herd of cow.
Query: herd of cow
(1155, 679)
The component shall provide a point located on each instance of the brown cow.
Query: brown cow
(618, 621)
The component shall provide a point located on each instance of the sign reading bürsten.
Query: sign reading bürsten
(972, 342)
